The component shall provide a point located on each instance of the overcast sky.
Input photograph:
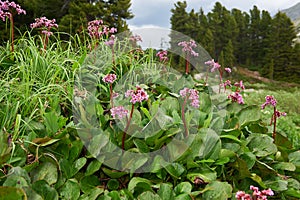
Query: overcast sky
(157, 12)
(152, 17)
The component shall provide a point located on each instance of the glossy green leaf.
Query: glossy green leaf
(70, 190)
(89, 183)
(9, 193)
(113, 184)
(175, 170)
(93, 167)
(45, 190)
(249, 114)
(166, 191)
(261, 145)
(218, 191)
(46, 171)
(149, 196)
(183, 187)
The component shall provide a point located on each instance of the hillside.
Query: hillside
(293, 12)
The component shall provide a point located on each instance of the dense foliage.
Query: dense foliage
(254, 40)
(103, 119)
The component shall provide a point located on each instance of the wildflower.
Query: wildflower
(240, 85)
(262, 195)
(6, 6)
(236, 97)
(227, 83)
(109, 78)
(214, 65)
(113, 30)
(188, 47)
(137, 95)
(118, 112)
(111, 41)
(43, 22)
(279, 114)
(192, 95)
(270, 100)
(135, 38)
(162, 55)
(227, 69)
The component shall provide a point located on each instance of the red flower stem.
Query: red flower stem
(187, 63)
(274, 125)
(183, 117)
(111, 95)
(221, 81)
(113, 58)
(12, 32)
(127, 126)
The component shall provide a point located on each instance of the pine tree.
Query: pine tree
(229, 58)
(254, 34)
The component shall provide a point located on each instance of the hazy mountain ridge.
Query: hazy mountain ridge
(293, 12)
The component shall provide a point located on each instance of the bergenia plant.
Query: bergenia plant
(193, 96)
(187, 48)
(270, 100)
(215, 66)
(6, 11)
(110, 78)
(97, 30)
(162, 55)
(45, 25)
(136, 96)
(236, 95)
(256, 195)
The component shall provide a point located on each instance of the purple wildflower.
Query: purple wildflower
(270, 100)
(188, 47)
(135, 38)
(262, 195)
(162, 55)
(227, 69)
(45, 23)
(118, 112)
(94, 28)
(240, 85)
(6, 6)
(227, 83)
(236, 97)
(137, 95)
(214, 65)
(111, 41)
(109, 78)
(192, 95)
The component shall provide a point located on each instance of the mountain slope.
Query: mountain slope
(293, 12)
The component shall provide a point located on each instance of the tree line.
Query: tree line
(72, 16)
(254, 40)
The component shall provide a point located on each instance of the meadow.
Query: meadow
(96, 117)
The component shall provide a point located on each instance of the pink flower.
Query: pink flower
(268, 192)
(270, 100)
(95, 28)
(188, 47)
(111, 41)
(240, 85)
(135, 38)
(162, 55)
(236, 97)
(227, 83)
(279, 114)
(6, 6)
(192, 95)
(137, 95)
(228, 70)
(109, 78)
(113, 30)
(214, 65)
(45, 24)
(118, 112)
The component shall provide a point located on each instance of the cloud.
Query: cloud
(153, 36)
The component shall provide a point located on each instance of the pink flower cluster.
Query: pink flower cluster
(135, 38)
(45, 24)
(270, 100)
(236, 97)
(188, 47)
(162, 55)
(109, 78)
(214, 65)
(5, 9)
(191, 94)
(137, 95)
(111, 41)
(257, 195)
(118, 112)
(227, 69)
(97, 29)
